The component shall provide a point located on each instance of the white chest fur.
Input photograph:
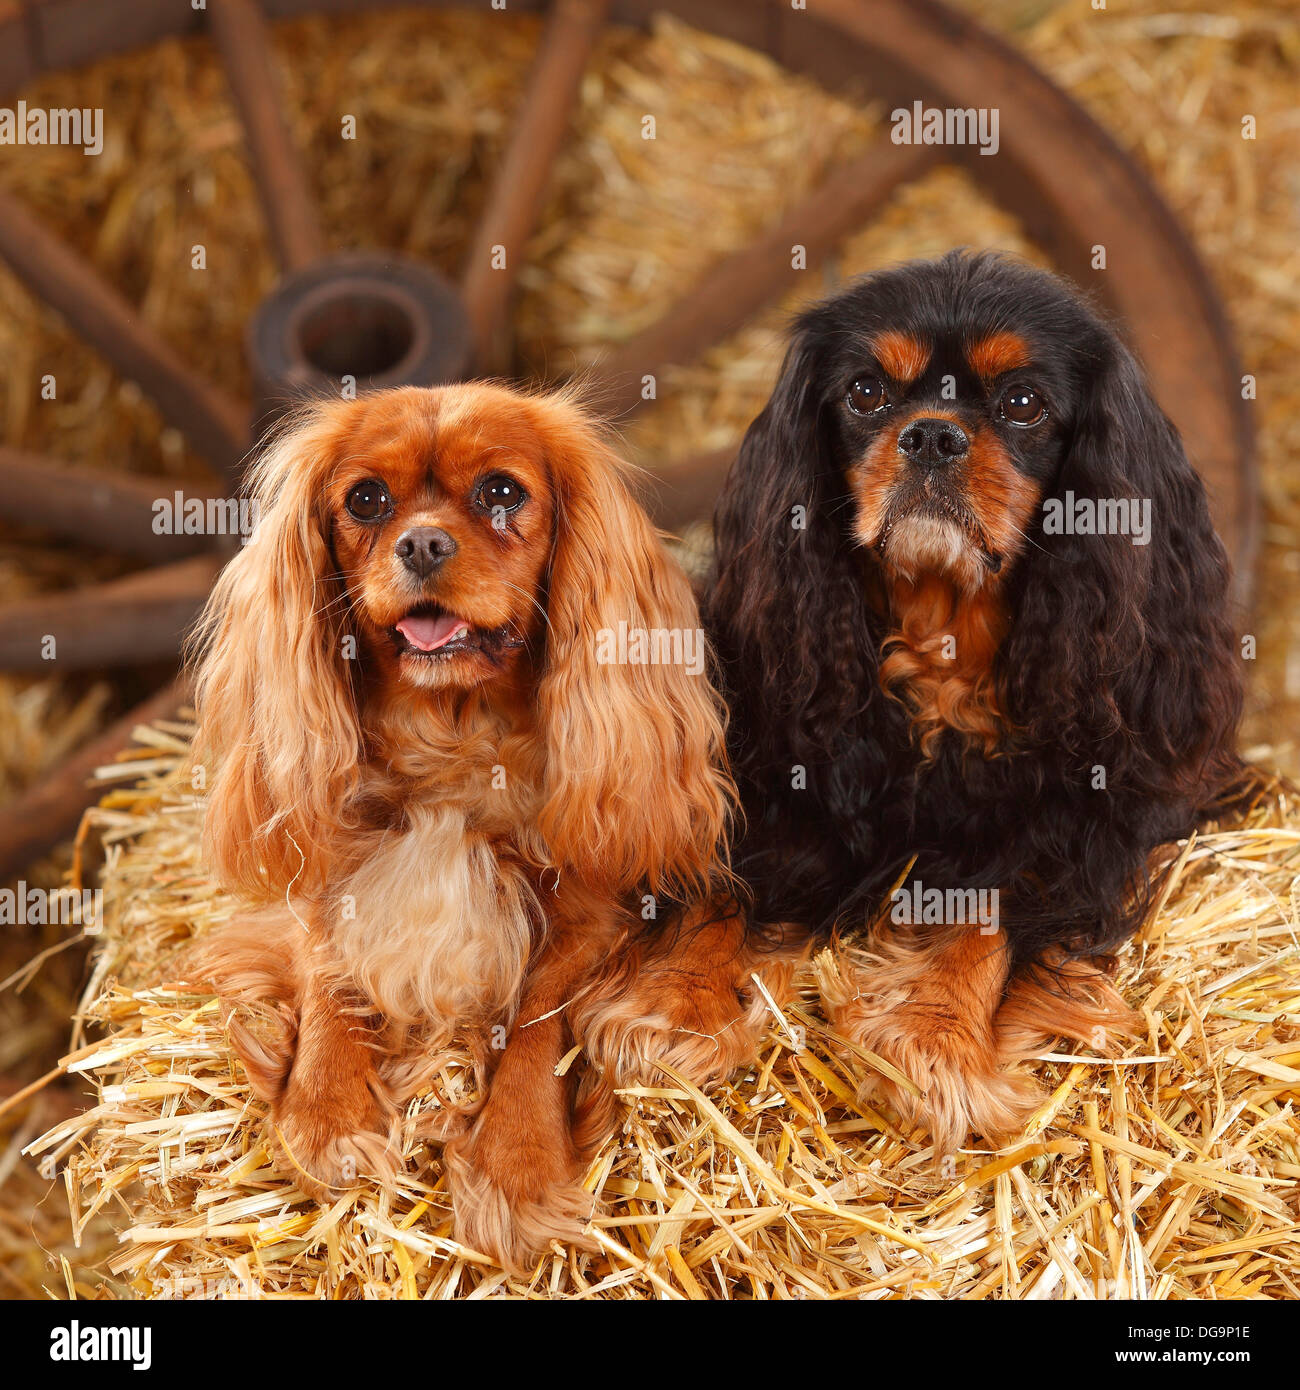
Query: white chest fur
(435, 926)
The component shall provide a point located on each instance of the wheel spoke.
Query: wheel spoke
(519, 190)
(743, 283)
(215, 424)
(50, 810)
(244, 40)
(108, 510)
(127, 622)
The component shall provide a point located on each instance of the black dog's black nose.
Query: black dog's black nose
(933, 442)
(423, 548)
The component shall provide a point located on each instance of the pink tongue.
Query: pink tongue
(428, 634)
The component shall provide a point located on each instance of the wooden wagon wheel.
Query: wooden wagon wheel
(1056, 169)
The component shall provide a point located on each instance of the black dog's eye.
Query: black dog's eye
(1022, 405)
(866, 396)
(500, 492)
(369, 501)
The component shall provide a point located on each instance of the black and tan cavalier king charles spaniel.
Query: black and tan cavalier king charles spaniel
(943, 678)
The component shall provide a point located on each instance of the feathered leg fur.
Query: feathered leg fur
(516, 1174)
(946, 1013)
(310, 1050)
(928, 1007)
(686, 997)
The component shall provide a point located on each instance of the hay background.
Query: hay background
(631, 224)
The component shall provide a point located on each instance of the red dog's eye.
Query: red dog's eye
(500, 491)
(369, 501)
(1022, 405)
(866, 396)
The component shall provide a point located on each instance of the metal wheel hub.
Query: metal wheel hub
(370, 320)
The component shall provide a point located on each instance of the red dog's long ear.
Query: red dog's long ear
(279, 737)
(635, 789)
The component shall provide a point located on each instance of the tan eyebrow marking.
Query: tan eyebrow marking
(999, 352)
(901, 355)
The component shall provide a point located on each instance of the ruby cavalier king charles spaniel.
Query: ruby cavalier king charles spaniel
(445, 811)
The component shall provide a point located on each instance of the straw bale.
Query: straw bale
(1166, 1172)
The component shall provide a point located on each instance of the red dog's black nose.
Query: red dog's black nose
(423, 548)
(933, 442)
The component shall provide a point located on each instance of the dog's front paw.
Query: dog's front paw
(329, 1149)
(514, 1193)
(936, 1028)
(693, 1001)
(702, 1028)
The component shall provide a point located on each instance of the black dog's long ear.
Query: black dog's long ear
(786, 604)
(1122, 649)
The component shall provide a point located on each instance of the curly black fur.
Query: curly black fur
(1116, 655)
